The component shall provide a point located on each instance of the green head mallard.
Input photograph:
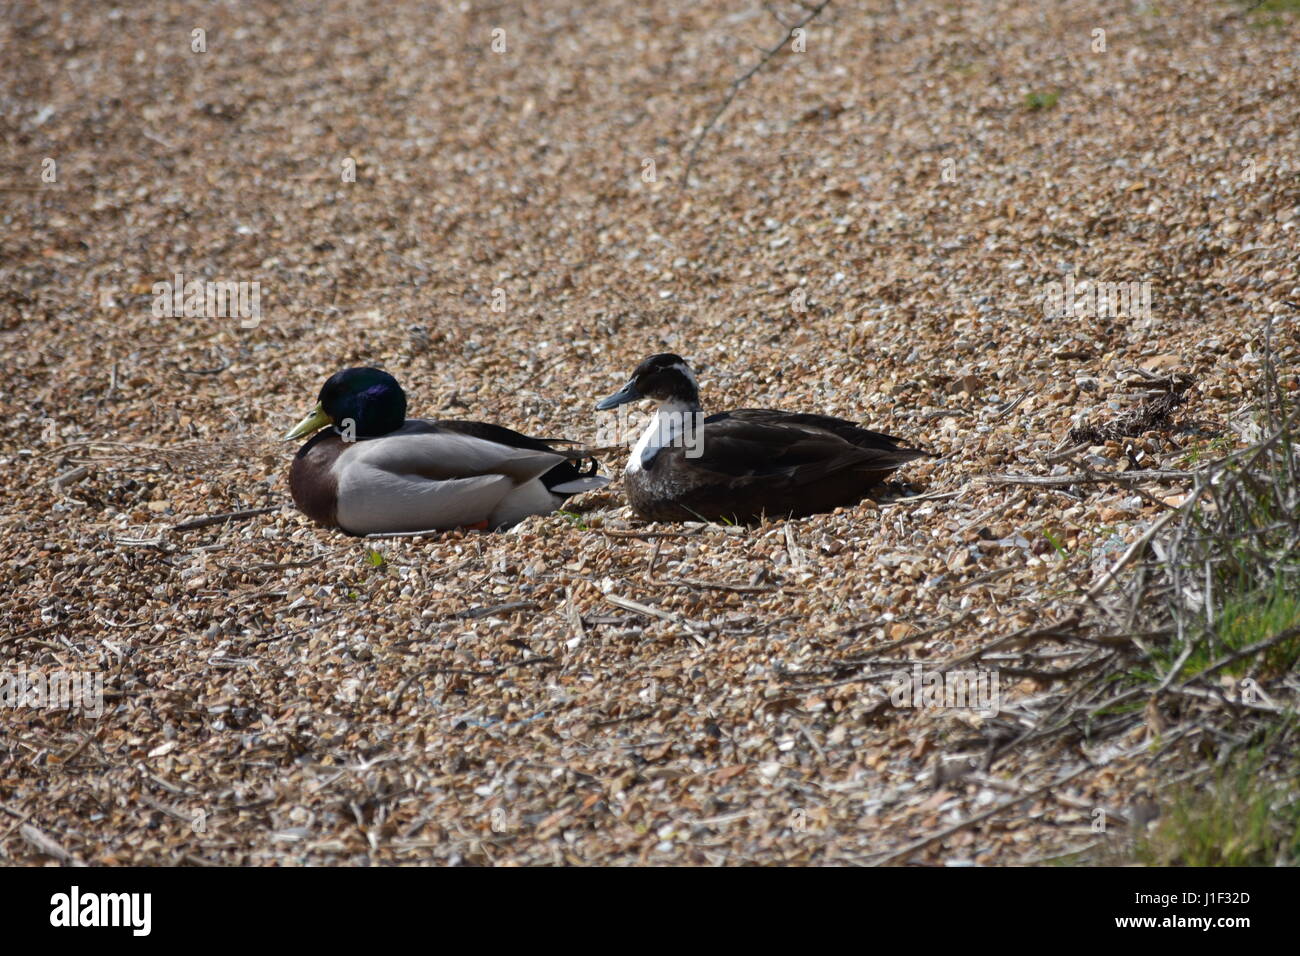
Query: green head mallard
(368, 469)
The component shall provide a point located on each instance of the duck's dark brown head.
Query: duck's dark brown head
(663, 378)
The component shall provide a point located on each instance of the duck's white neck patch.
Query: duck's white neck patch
(675, 424)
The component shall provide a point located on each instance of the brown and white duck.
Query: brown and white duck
(746, 464)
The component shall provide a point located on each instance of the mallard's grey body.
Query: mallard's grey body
(427, 475)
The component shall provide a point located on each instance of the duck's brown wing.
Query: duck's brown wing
(851, 432)
(745, 451)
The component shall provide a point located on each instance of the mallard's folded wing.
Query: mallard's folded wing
(422, 477)
(493, 433)
(428, 450)
(565, 478)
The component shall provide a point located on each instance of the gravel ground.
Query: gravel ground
(872, 230)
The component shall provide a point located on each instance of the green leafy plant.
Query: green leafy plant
(1056, 544)
(574, 519)
(1248, 815)
(1213, 449)
(1041, 101)
(1264, 15)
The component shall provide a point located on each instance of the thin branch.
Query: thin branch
(740, 81)
(223, 518)
(1091, 478)
(917, 846)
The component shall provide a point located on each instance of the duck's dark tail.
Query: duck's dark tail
(575, 476)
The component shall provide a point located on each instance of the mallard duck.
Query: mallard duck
(744, 464)
(374, 471)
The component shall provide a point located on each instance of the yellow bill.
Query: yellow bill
(313, 422)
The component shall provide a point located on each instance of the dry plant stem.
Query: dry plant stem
(210, 520)
(738, 83)
(1090, 478)
(900, 856)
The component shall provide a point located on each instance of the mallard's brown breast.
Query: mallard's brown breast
(312, 482)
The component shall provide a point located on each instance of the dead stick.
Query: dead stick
(740, 82)
(1090, 478)
(222, 518)
(1136, 548)
(943, 834)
